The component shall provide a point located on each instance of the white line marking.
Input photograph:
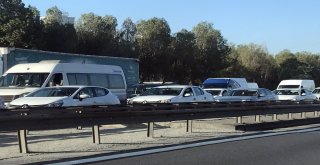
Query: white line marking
(172, 148)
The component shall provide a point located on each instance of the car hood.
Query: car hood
(34, 100)
(150, 98)
(15, 91)
(235, 98)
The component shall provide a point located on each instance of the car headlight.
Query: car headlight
(55, 104)
(165, 101)
(129, 101)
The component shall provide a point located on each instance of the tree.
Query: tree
(96, 34)
(257, 65)
(183, 46)
(127, 36)
(290, 67)
(19, 25)
(211, 51)
(153, 39)
(56, 35)
(53, 16)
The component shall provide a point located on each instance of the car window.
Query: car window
(53, 92)
(198, 91)
(100, 92)
(188, 91)
(87, 91)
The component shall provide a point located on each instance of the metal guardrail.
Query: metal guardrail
(39, 118)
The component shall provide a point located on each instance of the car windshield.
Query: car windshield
(162, 91)
(53, 92)
(23, 79)
(316, 91)
(140, 88)
(286, 92)
(244, 93)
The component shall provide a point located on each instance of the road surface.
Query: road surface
(291, 148)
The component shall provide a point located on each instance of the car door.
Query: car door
(199, 94)
(103, 97)
(90, 100)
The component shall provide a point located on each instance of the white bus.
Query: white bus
(24, 78)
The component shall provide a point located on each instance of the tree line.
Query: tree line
(184, 57)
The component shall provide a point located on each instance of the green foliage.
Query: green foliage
(56, 36)
(153, 39)
(183, 48)
(211, 51)
(96, 34)
(19, 25)
(53, 15)
(126, 37)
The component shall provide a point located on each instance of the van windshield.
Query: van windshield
(23, 79)
(288, 86)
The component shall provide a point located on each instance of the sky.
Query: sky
(274, 24)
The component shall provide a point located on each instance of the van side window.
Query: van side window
(116, 81)
(56, 80)
(99, 80)
(78, 79)
(111, 81)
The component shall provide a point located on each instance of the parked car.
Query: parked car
(238, 95)
(172, 94)
(64, 96)
(297, 94)
(316, 92)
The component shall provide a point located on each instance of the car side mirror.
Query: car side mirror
(303, 94)
(83, 96)
(262, 95)
(187, 95)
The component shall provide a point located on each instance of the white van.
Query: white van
(24, 78)
(295, 90)
(301, 84)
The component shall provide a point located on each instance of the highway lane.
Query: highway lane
(292, 149)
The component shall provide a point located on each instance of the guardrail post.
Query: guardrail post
(23, 144)
(290, 116)
(96, 134)
(239, 119)
(257, 118)
(303, 114)
(275, 117)
(316, 114)
(189, 125)
(150, 131)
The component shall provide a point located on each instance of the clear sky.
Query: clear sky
(275, 24)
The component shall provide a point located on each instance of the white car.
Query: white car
(172, 94)
(294, 94)
(316, 92)
(64, 96)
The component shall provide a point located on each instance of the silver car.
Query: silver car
(238, 95)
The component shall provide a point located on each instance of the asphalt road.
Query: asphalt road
(288, 149)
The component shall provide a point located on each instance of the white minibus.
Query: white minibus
(24, 78)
